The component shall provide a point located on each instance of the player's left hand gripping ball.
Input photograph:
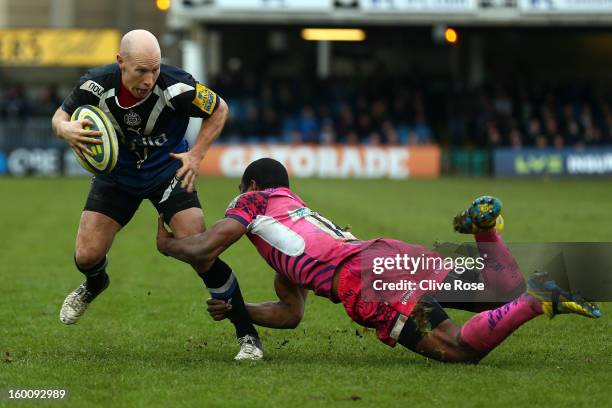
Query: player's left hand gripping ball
(105, 155)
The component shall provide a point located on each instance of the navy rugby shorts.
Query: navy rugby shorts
(107, 198)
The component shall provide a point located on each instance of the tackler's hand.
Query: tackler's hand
(218, 309)
(164, 237)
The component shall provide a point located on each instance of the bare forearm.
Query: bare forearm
(192, 249)
(276, 315)
(210, 130)
(58, 118)
(200, 248)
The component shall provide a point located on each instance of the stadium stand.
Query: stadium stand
(357, 112)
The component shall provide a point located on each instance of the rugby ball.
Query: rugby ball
(105, 154)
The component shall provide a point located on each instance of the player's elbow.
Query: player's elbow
(222, 110)
(56, 115)
(59, 116)
(294, 318)
(293, 323)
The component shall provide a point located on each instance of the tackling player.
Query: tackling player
(308, 251)
(149, 105)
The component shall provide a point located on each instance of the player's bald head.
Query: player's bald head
(140, 44)
(139, 59)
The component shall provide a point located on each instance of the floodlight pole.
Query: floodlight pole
(4, 12)
(194, 62)
(476, 70)
(63, 13)
(324, 56)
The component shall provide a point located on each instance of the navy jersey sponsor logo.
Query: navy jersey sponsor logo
(93, 87)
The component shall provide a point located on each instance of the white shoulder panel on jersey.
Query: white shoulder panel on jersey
(169, 93)
(104, 106)
(278, 235)
(93, 87)
(176, 90)
(162, 102)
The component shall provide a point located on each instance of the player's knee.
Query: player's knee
(465, 353)
(454, 353)
(292, 323)
(444, 344)
(295, 319)
(187, 222)
(469, 357)
(86, 258)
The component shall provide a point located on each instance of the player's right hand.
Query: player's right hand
(75, 134)
(218, 309)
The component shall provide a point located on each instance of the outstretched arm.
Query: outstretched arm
(200, 248)
(286, 313)
(209, 131)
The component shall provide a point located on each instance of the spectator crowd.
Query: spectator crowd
(387, 112)
(575, 114)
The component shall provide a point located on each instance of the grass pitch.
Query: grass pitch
(147, 340)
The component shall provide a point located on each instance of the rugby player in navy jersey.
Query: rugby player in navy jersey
(149, 105)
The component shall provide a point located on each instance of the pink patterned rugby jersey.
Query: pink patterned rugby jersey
(295, 241)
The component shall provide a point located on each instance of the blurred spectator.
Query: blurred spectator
(352, 138)
(328, 134)
(534, 132)
(47, 102)
(493, 135)
(364, 126)
(413, 139)
(502, 103)
(516, 139)
(308, 125)
(346, 121)
(270, 125)
(15, 105)
(251, 126)
(421, 129)
(571, 128)
(375, 139)
(390, 134)
(551, 128)
(541, 142)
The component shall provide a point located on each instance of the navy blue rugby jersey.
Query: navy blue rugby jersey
(149, 130)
